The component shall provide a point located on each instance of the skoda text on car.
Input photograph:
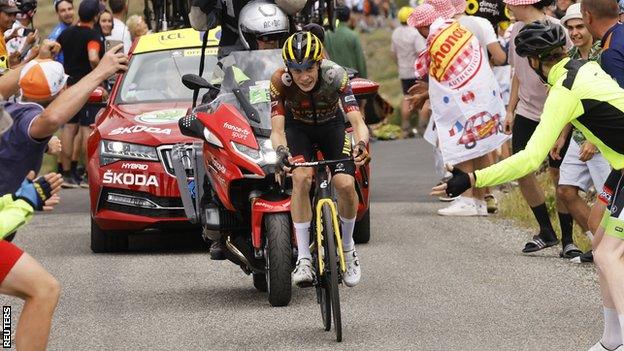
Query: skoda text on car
(132, 186)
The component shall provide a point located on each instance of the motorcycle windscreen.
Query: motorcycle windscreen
(250, 72)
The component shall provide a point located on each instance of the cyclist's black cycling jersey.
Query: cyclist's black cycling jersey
(321, 104)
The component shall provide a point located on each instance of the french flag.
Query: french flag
(457, 128)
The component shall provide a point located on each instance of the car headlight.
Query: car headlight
(264, 156)
(111, 151)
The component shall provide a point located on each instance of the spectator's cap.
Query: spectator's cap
(5, 120)
(42, 79)
(404, 13)
(459, 5)
(8, 6)
(444, 8)
(520, 2)
(573, 12)
(422, 16)
(89, 9)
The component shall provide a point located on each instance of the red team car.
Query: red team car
(131, 181)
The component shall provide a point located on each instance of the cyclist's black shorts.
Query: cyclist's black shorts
(331, 139)
(523, 128)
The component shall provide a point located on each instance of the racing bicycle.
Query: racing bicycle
(328, 258)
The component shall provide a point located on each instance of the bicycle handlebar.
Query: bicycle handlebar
(320, 163)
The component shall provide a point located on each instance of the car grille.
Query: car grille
(165, 157)
(167, 207)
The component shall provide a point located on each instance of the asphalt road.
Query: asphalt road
(429, 283)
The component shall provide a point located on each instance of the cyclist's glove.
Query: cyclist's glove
(35, 193)
(362, 152)
(459, 182)
(282, 154)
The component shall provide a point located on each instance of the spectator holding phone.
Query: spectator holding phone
(8, 12)
(26, 36)
(120, 33)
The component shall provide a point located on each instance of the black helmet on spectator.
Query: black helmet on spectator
(539, 39)
(27, 7)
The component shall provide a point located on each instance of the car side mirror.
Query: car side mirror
(98, 97)
(195, 82)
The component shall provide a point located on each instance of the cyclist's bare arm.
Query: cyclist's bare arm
(278, 136)
(360, 130)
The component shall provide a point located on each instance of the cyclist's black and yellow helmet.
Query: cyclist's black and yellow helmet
(301, 50)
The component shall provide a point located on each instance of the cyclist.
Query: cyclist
(584, 95)
(306, 100)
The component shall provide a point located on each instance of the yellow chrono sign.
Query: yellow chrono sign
(176, 39)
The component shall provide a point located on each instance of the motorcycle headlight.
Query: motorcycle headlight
(264, 156)
(211, 138)
(111, 151)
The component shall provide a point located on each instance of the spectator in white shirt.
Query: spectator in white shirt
(120, 30)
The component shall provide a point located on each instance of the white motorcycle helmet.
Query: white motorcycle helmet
(261, 19)
(291, 6)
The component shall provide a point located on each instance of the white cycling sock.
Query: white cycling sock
(590, 235)
(346, 226)
(612, 333)
(302, 232)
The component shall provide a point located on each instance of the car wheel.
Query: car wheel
(361, 232)
(107, 241)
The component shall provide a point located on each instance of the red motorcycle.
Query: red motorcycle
(227, 182)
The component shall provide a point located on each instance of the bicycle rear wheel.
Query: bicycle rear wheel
(331, 269)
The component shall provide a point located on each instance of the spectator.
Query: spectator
(456, 100)
(82, 48)
(601, 19)
(120, 31)
(406, 44)
(136, 26)
(106, 24)
(45, 107)
(26, 36)
(621, 10)
(526, 103)
(343, 44)
(582, 166)
(65, 11)
(8, 12)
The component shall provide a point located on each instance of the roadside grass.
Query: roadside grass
(512, 206)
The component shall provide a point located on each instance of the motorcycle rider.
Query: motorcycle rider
(207, 14)
(262, 25)
(307, 113)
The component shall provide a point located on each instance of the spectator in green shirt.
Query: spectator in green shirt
(343, 44)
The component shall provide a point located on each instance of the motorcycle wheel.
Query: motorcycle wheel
(278, 248)
(260, 282)
(331, 274)
(361, 232)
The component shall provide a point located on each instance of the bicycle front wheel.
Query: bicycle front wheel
(331, 268)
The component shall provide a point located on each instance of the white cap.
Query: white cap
(573, 12)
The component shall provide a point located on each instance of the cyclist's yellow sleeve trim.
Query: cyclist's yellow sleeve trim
(13, 214)
(560, 108)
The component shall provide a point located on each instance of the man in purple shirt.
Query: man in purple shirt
(45, 106)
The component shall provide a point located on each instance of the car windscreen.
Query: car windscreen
(157, 76)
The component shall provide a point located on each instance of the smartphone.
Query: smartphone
(110, 43)
(27, 31)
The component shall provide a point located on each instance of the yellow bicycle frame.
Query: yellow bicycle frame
(319, 233)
